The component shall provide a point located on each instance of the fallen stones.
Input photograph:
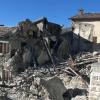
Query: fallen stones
(65, 79)
(55, 87)
(79, 98)
(37, 84)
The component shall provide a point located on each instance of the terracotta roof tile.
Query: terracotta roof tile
(87, 16)
(5, 30)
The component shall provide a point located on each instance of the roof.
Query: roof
(66, 30)
(6, 30)
(86, 16)
(42, 19)
(9, 31)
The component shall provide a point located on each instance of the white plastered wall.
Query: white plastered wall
(96, 29)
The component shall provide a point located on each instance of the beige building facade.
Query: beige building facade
(87, 25)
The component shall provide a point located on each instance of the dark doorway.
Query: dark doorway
(23, 44)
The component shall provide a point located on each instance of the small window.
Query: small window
(94, 39)
(4, 47)
(0, 47)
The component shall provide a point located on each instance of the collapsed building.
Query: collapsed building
(35, 36)
(33, 43)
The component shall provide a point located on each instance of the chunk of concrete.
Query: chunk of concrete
(55, 87)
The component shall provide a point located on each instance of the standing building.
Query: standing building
(87, 26)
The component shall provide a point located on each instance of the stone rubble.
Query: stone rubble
(59, 85)
(28, 86)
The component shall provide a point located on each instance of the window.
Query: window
(4, 47)
(0, 47)
(94, 39)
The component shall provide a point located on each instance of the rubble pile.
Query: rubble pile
(39, 65)
(24, 87)
(67, 81)
(45, 84)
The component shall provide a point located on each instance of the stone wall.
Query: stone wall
(94, 91)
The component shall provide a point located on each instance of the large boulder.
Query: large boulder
(63, 50)
(43, 58)
(27, 57)
(55, 87)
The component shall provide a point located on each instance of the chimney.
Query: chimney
(80, 12)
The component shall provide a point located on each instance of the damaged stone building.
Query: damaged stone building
(40, 37)
(4, 42)
(33, 43)
(61, 42)
(86, 25)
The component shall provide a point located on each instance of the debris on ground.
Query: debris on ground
(42, 65)
(66, 82)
